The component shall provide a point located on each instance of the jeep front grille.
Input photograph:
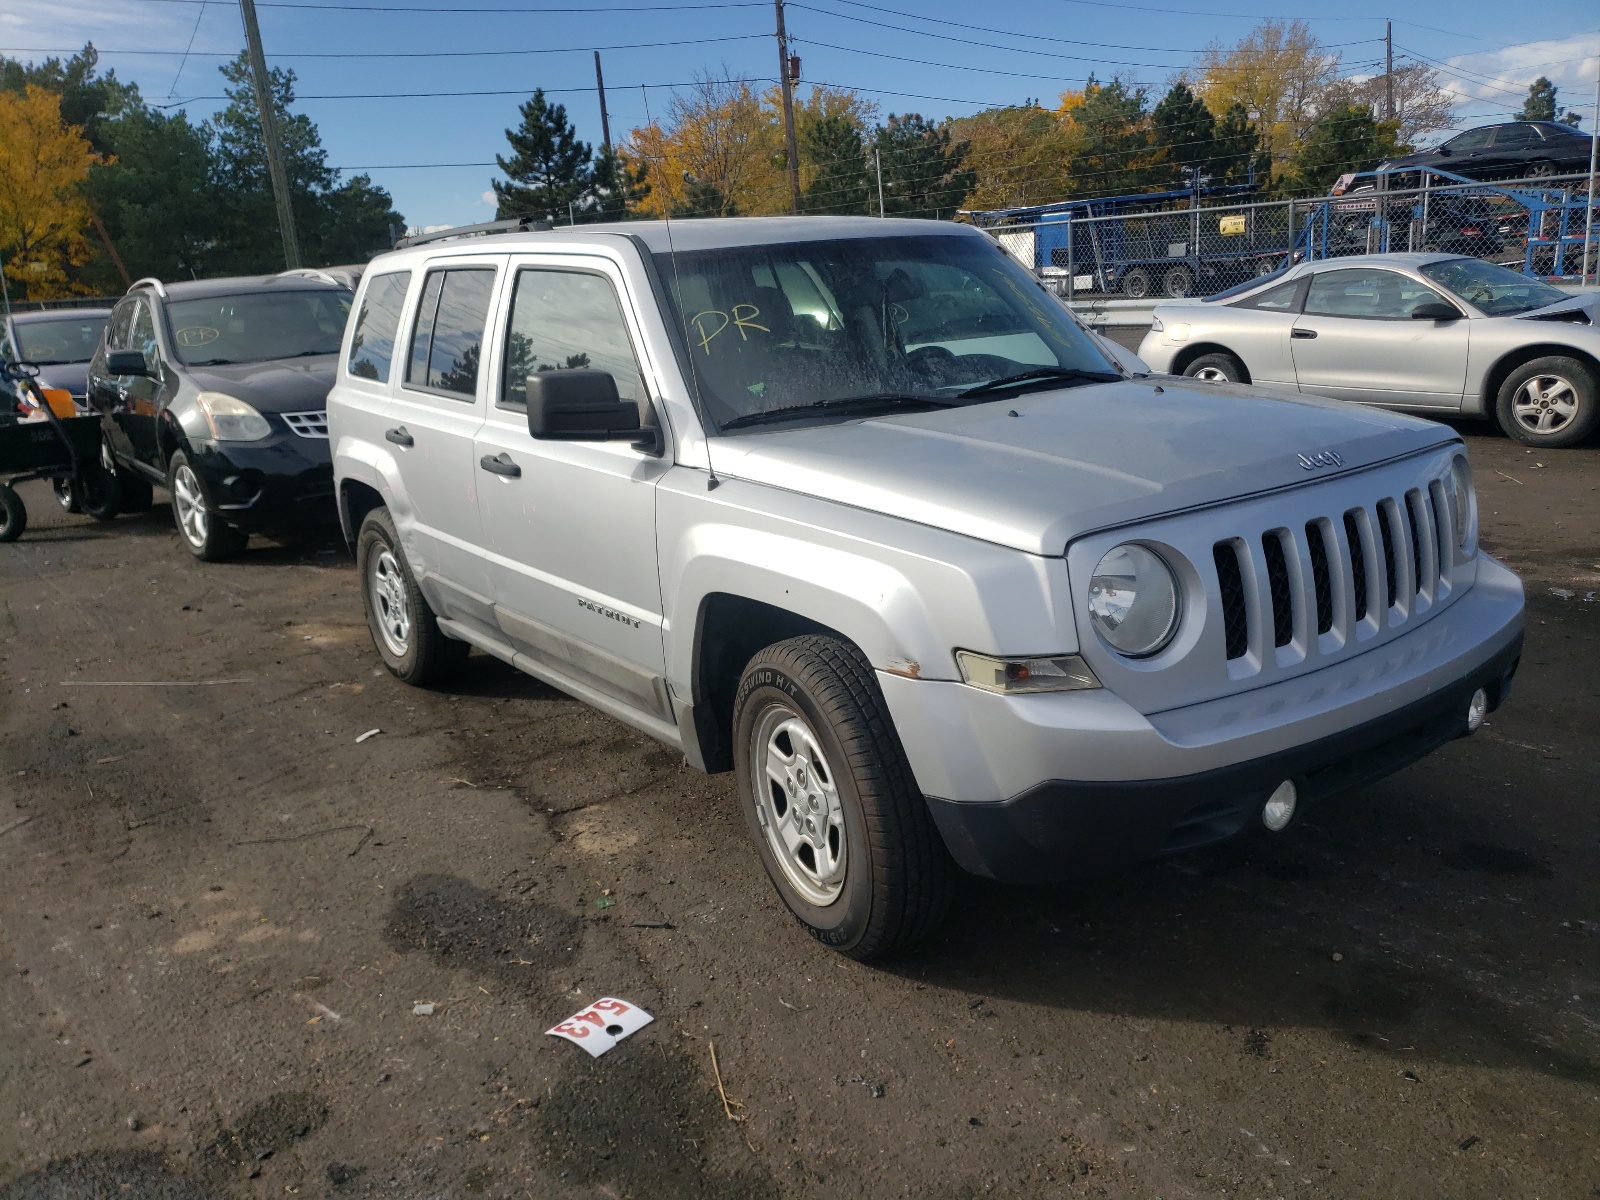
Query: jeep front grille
(1396, 543)
(308, 424)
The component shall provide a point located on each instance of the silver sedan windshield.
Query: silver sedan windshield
(1494, 290)
(795, 328)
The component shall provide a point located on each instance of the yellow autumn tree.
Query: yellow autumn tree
(1279, 70)
(43, 215)
(718, 152)
(1020, 155)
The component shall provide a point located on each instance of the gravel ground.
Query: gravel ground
(218, 912)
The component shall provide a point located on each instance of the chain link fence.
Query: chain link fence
(1204, 249)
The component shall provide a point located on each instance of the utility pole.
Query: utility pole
(1388, 70)
(786, 84)
(269, 135)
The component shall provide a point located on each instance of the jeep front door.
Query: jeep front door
(569, 527)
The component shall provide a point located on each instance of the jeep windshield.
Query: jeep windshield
(1495, 290)
(257, 326)
(836, 330)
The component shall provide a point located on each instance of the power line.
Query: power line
(403, 53)
(524, 10)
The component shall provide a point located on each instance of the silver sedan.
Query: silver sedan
(1434, 334)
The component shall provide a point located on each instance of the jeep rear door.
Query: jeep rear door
(569, 527)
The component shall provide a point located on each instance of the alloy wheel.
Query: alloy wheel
(1545, 404)
(386, 587)
(798, 806)
(193, 519)
(1211, 375)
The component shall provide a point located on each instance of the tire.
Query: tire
(67, 495)
(1216, 368)
(1543, 169)
(870, 873)
(201, 528)
(1267, 266)
(98, 491)
(1548, 402)
(1177, 283)
(13, 514)
(1136, 283)
(403, 625)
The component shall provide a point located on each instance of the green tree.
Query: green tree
(549, 169)
(1237, 155)
(1342, 140)
(1541, 104)
(1114, 155)
(840, 181)
(923, 169)
(1183, 129)
(620, 187)
(88, 99)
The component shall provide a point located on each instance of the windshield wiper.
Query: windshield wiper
(212, 362)
(877, 400)
(1040, 373)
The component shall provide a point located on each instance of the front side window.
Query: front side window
(257, 326)
(121, 321)
(1472, 139)
(142, 334)
(1367, 294)
(67, 339)
(1495, 290)
(789, 327)
(447, 341)
(377, 326)
(564, 320)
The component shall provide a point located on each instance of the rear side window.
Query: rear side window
(1283, 298)
(447, 342)
(377, 326)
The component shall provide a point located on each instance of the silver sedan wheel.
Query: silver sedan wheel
(1545, 404)
(386, 589)
(1211, 375)
(797, 804)
(193, 520)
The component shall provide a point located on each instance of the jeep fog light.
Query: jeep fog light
(1014, 676)
(1477, 710)
(1280, 806)
(1133, 600)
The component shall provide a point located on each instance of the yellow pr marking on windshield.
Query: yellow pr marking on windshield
(705, 338)
(743, 321)
(743, 317)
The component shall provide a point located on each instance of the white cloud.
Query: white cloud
(489, 198)
(1493, 83)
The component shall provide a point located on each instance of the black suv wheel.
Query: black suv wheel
(207, 536)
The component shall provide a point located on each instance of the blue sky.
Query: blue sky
(1024, 48)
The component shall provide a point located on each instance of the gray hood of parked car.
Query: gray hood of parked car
(1038, 470)
(73, 377)
(278, 386)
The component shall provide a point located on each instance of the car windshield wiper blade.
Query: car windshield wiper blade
(212, 362)
(1077, 374)
(876, 400)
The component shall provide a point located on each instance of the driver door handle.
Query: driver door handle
(500, 464)
(1304, 335)
(400, 437)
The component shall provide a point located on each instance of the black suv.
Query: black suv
(216, 390)
(1519, 150)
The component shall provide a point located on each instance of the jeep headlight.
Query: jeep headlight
(230, 419)
(1458, 495)
(1133, 600)
(1014, 676)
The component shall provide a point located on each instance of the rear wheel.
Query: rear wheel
(205, 534)
(13, 514)
(1216, 368)
(98, 491)
(830, 801)
(403, 625)
(66, 494)
(1136, 283)
(1549, 402)
(1177, 282)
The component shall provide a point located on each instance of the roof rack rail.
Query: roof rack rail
(151, 282)
(514, 225)
(309, 273)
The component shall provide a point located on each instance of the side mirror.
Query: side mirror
(1444, 151)
(126, 362)
(1435, 311)
(579, 406)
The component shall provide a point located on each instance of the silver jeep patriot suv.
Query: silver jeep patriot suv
(854, 508)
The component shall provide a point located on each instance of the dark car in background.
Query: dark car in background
(1517, 150)
(59, 341)
(216, 390)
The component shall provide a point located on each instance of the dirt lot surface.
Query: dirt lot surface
(218, 911)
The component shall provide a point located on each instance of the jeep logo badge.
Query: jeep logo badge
(1324, 458)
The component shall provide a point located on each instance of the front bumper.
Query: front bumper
(1041, 789)
(281, 483)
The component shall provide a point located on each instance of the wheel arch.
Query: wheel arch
(356, 500)
(1182, 359)
(1496, 375)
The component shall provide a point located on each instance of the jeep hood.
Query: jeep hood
(276, 386)
(1074, 460)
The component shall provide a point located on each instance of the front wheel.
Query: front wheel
(205, 534)
(403, 625)
(830, 800)
(1136, 284)
(1549, 402)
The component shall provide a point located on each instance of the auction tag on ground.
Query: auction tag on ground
(602, 1025)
